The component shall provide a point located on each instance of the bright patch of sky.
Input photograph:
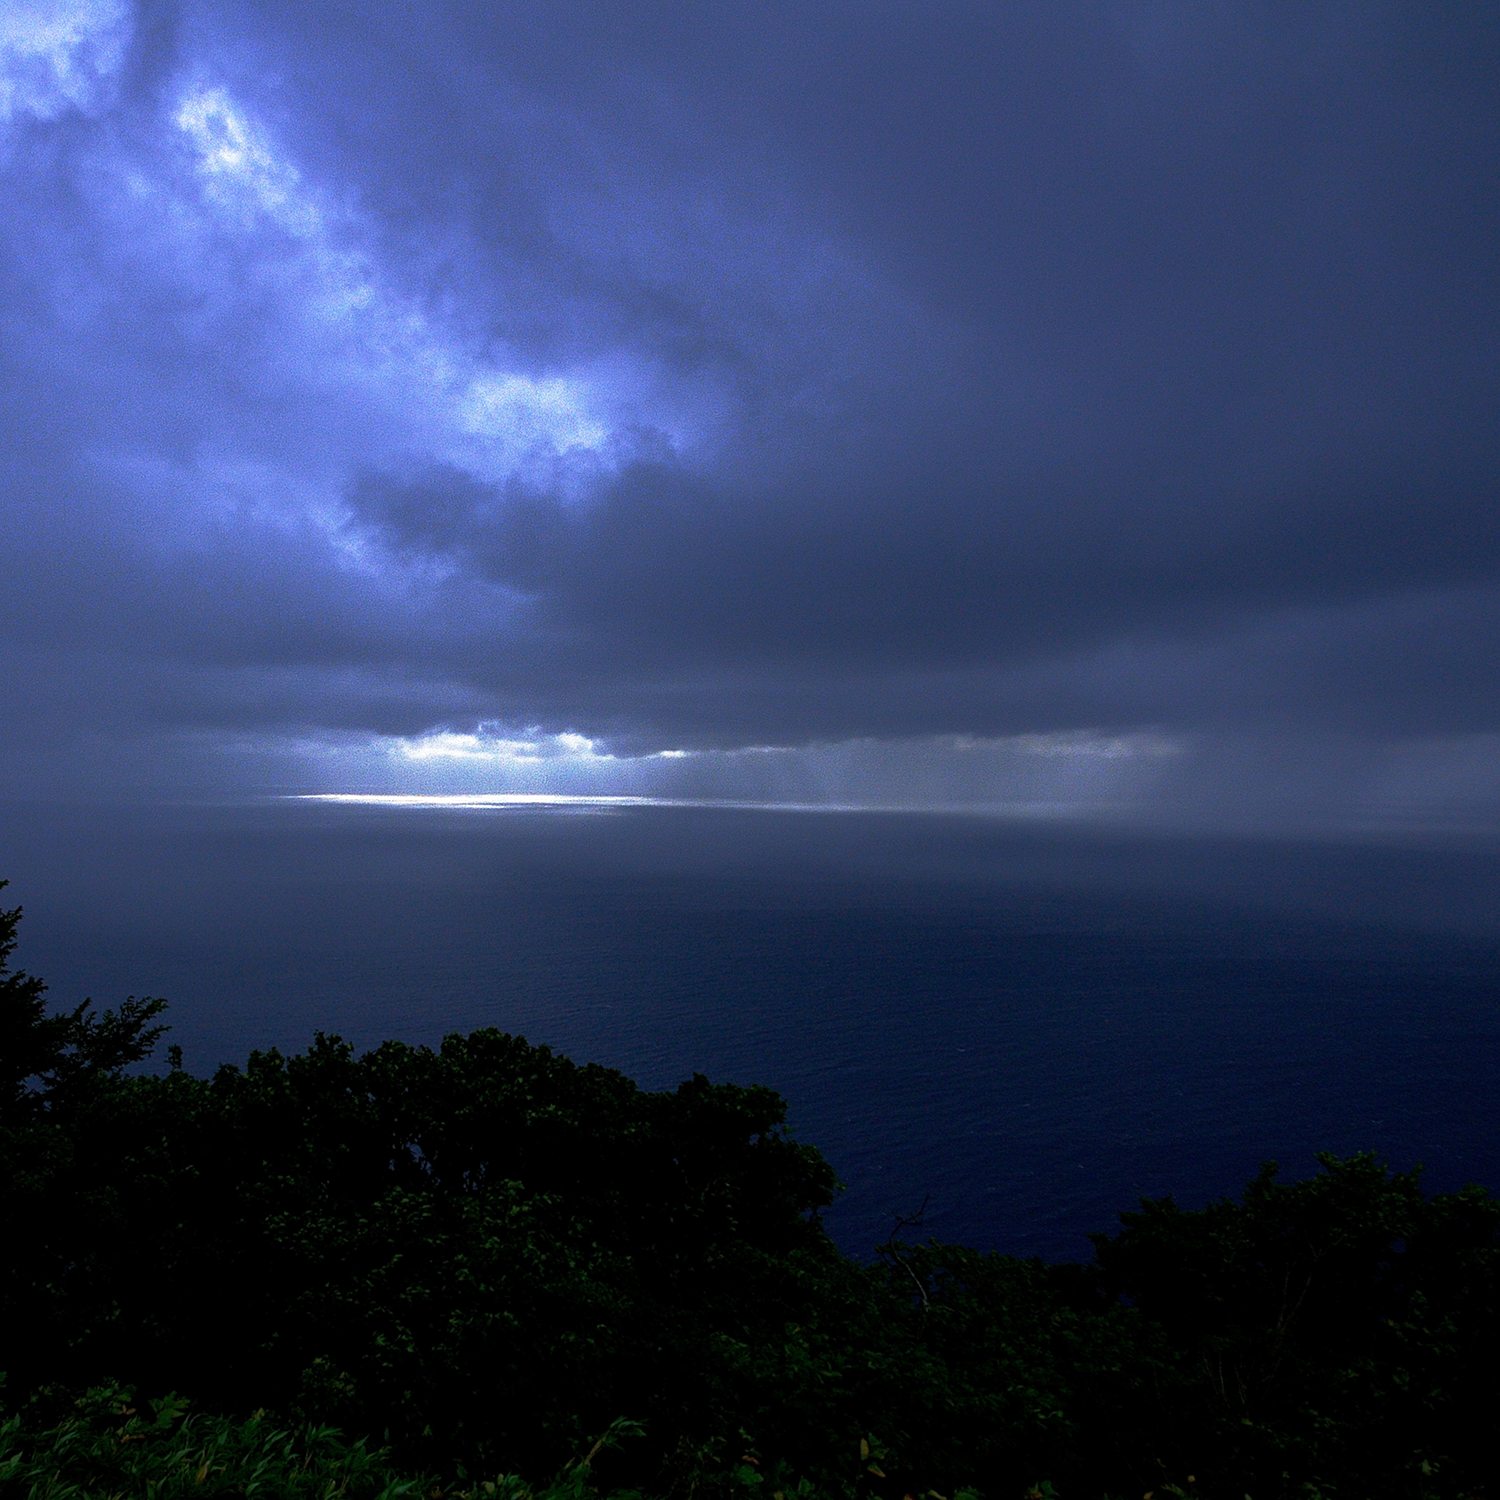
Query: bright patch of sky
(318, 349)
(239, 170)
(472, 406)
(275, 289)
(495, 750)
(59, 55)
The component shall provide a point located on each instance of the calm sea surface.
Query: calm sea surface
(1029, 1027)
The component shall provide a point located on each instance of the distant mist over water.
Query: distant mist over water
(1028, 1025)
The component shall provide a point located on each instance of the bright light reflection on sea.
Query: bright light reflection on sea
(602, 802)
(485, 801)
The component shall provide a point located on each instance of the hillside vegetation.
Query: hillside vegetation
(482, 1260)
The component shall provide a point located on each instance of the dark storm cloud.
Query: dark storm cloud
(710, 376)
(932, 608)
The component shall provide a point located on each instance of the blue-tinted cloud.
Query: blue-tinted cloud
(711, 380)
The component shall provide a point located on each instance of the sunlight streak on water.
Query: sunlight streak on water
(611, 802)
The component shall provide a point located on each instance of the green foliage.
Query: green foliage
(106, 1445)
(482, 1254)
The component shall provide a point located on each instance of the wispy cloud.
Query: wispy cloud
(60, 55)
(365, 335)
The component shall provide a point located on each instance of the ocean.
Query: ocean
(1018, 1027)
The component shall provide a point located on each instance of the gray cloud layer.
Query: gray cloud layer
(712, 376)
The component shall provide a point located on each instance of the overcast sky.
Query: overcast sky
(1084, 403)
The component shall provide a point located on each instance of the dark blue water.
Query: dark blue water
(1027, 1027)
